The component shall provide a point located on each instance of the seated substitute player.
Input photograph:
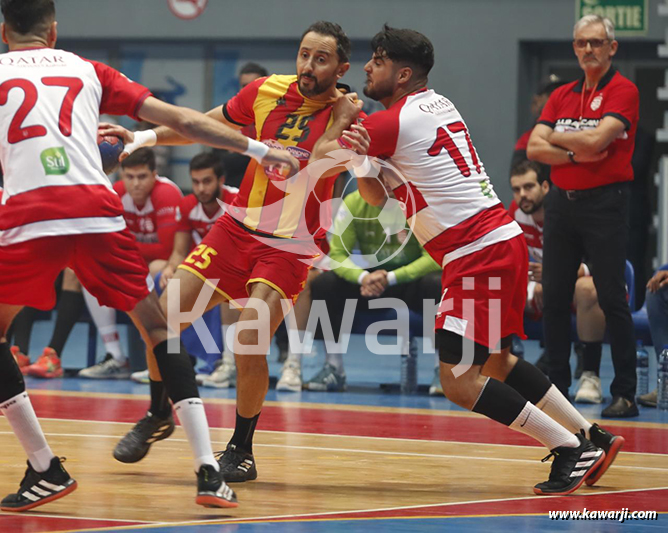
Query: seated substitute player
(408, 273)
(462, 224)
(262, 247)
(59, 209)
(149, 207)
(529, 189)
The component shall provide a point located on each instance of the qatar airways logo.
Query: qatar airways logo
(41, 61)
(438, 107)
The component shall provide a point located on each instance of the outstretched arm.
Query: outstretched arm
(198, 128)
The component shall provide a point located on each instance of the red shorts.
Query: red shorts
(231, 258)
(107, 264)
(484, 293)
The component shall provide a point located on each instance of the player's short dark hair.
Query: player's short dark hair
(527, 165)
(28, 16)
(253, 68)
(407, 47)
(206, 160)
(343, 46)
(139, 158)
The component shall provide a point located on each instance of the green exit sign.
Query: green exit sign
(629, 16)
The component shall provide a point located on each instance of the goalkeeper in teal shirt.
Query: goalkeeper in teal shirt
(388, 262)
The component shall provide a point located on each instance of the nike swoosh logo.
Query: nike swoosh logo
(525, 420)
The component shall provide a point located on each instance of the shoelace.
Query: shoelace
(30, 470)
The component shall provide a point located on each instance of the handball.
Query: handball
(111, 148)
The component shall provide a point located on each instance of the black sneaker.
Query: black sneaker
(610, 444)
(135, 445)
(620, 407)
(38, 488)
(212, 491)
(237, 465)
(570, 468)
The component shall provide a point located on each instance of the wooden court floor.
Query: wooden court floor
(322, 467)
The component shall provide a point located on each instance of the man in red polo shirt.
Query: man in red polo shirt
(587, 132)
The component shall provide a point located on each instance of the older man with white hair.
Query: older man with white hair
(587, 133)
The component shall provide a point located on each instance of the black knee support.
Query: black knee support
(528, 381)
(499, 402)
(177, 372)
(11, 379)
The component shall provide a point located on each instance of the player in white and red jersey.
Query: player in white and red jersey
(459, 220)
(529, 189)
(58, 209)
(149, 205)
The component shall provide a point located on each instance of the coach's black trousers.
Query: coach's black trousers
(595, 227)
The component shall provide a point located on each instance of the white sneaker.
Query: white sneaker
(201, 378)
(224, 377)
(291, 377)
(140, 377)
(436, 389)
(109, 368)
(589, 388)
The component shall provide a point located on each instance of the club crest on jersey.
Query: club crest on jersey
(596, 102)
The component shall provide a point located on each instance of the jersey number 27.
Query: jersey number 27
(17, 132)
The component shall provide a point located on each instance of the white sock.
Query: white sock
(22, 418)
(296, 358)
(112, 343)
(336, 360)
(533, 422)
(558, 407)
(105, 322)
(229, 331)
(193, 420)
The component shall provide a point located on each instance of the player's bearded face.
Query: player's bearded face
(317, 64)
(528, 194)
(380, 77)
(206, 186)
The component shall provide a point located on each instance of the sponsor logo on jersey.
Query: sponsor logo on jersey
(486, 188)
(55, 161)
(299, 153)
(440, 106)
(573, 124)
(165, 210)
(42, 61)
